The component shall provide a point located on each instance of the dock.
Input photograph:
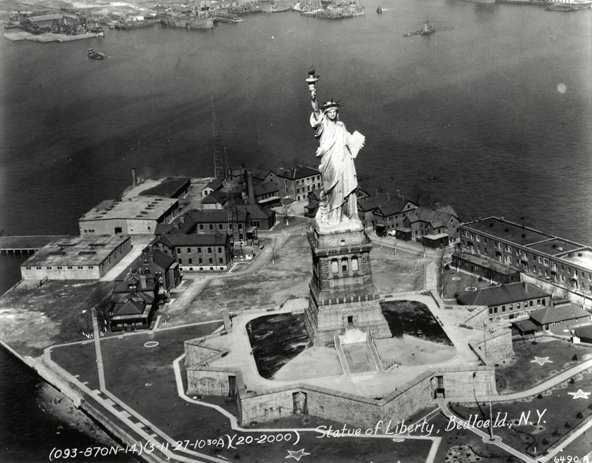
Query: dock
(26, 244)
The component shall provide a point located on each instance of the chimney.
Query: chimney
(250, 191)
(134, 181)
(143, 282)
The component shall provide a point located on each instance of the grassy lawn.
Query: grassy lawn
(454, 440)
(524, 373)
(415, 319)
(276, 339)
(144, 379)
(32, 319)
(79, 359)
(560, 413)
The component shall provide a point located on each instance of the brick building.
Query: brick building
(198, 252)
(507, 301)
(560, 263)
(298, 182)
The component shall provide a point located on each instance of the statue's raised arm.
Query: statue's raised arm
(337, 150)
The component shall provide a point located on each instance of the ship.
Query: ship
(95, 54)
(427, 29)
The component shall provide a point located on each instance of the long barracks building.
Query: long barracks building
(565, 266)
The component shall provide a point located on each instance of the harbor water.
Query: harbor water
(491, 113)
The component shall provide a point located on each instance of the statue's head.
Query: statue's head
(331, 109)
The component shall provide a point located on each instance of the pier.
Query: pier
(25, 244)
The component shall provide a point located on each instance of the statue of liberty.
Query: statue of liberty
(337, 150)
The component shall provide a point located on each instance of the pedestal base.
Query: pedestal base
(342, 294)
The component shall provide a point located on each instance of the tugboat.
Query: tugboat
(95, 54)
(379, 10)
(427, 29)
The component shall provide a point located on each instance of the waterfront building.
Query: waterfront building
(558, 265)
(298, 182)
(197, 252)
(76, 258)
(507, 302)
(425, 221)
(391, 214)
(131, 216)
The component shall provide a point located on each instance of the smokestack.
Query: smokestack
(134, 181)
(250, 191)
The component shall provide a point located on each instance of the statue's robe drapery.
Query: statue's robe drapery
(337, 167)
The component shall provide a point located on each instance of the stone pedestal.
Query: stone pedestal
(342, 293)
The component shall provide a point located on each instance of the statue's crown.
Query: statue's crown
(331, 104)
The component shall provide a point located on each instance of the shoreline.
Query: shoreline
(68, 402)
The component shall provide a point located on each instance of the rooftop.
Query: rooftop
(558, 314)
(138, 207)
(79, 250)
(505, 294)
(508, 231)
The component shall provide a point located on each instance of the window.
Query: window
(201, 226)
(200, 260)
(178, 250)
(478, 238)
(199, 250)
(221, 260)
(344, 265)
(220, 226)
(211, 261)
(211, 227)
(334, 266)
(219, 250)
(209, 250)
(180, 261)
(354, 263)
(190, 261)
(188, 250)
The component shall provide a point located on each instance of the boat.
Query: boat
(95, 54)
(427, 29)
(379, 10)
(99, 31)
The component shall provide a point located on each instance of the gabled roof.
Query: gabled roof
(218, 216)
(215, 185)
(558, 314)
(265, 188)
(215, 197)
(298, 172)
(256, 212)
(505, 294)
(181, 225)
(134, 305)
(394, 207)
(260, 174)
(435, 218)
(170, 187)
(525, 325)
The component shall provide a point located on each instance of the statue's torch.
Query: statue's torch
(311, 80)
